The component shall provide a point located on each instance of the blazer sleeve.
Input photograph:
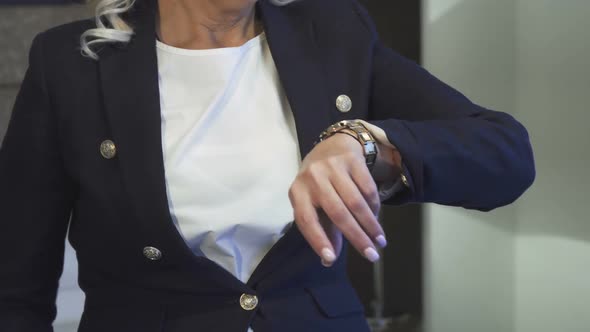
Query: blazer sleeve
(454, 152)
(35, 203)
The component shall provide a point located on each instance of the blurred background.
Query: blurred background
(522, 268)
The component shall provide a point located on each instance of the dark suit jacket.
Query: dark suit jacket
(457, 153)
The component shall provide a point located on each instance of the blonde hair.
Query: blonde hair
(111, 28)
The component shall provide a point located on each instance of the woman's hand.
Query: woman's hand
(334, 194)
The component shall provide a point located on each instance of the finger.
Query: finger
(341, 217)
(361, 175)
(332, 232)
(307, 221)
(358, 206)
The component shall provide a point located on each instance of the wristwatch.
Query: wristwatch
(361, 133)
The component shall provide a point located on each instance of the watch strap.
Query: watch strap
(363, 136)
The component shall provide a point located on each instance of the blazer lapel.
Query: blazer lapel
(292, 42)
(129, 78)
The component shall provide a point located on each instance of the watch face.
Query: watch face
(370, 148)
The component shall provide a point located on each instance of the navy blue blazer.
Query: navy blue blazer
(456, 153)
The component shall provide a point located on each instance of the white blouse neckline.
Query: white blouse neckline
(258, 40)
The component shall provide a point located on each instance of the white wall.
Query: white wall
(524, 268)
(553, 239)
(469, 255)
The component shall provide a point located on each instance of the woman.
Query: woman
(191, 150)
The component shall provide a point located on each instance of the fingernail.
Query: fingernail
(326, 264)
(328, 257)
(381, 241)
(371, 254)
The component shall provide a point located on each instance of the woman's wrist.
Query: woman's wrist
(388, 164)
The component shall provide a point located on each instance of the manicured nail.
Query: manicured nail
(328, 257)
(381, 241)
(371, 254)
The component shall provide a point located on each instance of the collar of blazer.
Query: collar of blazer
(129, 78)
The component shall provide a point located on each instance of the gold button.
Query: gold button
(405, 180)
(343, 103)
(248, 301)
(108, 149)
(152, 253)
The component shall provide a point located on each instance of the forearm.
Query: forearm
(479, 162)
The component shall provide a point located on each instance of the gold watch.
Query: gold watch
(361, 133)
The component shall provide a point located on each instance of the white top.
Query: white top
(230, 151)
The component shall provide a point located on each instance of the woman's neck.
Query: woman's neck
(204, 24)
